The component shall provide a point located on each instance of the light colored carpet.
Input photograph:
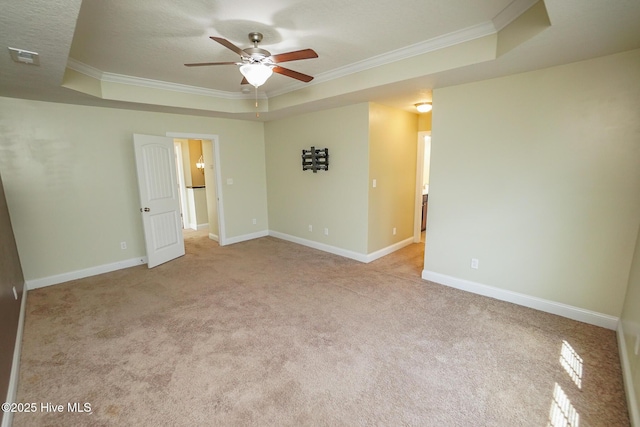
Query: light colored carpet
(270, 333)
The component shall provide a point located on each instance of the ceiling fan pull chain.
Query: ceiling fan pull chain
(257, 112)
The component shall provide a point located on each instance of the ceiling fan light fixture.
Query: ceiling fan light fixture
(424, 107)
(256, 74)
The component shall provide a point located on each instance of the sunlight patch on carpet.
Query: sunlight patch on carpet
(562, 413)
(572, 363)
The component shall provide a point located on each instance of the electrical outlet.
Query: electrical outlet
(123, 245)
(310, 227)
(637, 346)
(394, 231)
(474, 263)
(15, 295)
(255, 221)
(374, 183)
(326, 231)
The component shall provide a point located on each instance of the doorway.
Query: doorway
(422, 186)
(203, 204)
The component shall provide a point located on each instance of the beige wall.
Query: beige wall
(424, 121)
(537, 176)
(392, 163)
(630, 325)
(337, 198)
(71, 184)
(197, 203)
(365, 141)
(186, 167)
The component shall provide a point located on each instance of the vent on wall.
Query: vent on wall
(24, 56)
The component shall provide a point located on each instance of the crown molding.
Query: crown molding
(420, 48)
(154, 84)
(501, 20)
(85, 69)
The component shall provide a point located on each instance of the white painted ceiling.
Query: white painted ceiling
(152, 40)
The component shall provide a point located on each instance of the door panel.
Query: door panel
(159, 198)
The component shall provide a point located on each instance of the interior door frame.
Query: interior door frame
(181, 186)
(417, 217)
(222, 235)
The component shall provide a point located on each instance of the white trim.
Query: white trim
(222, 227)
(213, 236)
(420, 164)
(627, 376)
(501, 20)
(340, 251)
(564, 310)
(389, 249)
(245, 237)
(182, 188)
(104, 76)
(420, 48)
(86, 272)
(12, 390)
(320, 246)
(186, 135)
(198, 227)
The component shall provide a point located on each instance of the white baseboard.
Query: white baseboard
(245, 237)
(564, 310)
(214, 237)
(389, 249)
(320, 246)
(627, 376)
(198, 227)
(87, 272)
(340, 251)
(12, 390)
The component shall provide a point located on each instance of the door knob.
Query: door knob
(145, 210)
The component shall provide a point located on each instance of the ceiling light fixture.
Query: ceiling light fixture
(424, 107)
(200, 164)
(256, 73)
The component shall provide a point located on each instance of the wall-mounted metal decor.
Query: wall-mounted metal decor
(316, 159)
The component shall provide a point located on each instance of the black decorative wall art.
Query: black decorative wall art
(316, 159)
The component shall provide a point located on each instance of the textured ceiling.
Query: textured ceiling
(154, 39)
(150, 41)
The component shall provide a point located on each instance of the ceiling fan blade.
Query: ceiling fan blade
(294, 74)
(201, 64)
(294, 56)
(226, 43)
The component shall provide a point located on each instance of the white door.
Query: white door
(159, 198)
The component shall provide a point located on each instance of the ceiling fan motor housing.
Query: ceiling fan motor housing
(256, 53)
